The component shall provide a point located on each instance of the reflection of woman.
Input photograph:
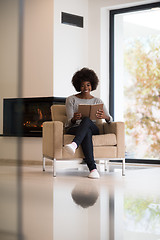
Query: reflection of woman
(84, 82)
(85, 195)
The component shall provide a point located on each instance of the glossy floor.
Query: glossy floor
(36, 206)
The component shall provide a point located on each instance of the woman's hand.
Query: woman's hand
(101, 115)
(77, 116)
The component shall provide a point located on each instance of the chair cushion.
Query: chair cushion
(98, 140)
(104, 140)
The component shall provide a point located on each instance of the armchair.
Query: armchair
(109, 145)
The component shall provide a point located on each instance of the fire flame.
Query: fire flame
(34, 123)
(40, 113)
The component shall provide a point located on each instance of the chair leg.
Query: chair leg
(105, 165)
(44, 164)
(123, 166)
(54, 167)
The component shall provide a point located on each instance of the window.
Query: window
(135, 77)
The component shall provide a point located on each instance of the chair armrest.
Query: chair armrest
(52, 139)
(118, 128)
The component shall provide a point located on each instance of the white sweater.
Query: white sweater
(72, 103)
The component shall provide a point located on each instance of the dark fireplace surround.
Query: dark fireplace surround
(24, 117)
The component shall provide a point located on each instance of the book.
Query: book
(90, 111)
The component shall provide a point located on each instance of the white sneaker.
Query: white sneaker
(70, 149)
(94, 174)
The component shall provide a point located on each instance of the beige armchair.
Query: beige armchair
(109, 145)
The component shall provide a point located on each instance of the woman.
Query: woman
(84, 81)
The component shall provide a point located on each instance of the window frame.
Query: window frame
(112, 13)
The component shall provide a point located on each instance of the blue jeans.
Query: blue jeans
(83, 135)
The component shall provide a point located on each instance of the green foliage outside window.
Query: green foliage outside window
(143, 212)
(142, 115)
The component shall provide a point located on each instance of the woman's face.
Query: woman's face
(86, 87)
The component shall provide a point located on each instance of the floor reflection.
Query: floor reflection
(142, 214)
(72, 206)
(85, 195)
(113, 208)
(86, 209)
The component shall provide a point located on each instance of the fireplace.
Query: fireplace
(25, 116)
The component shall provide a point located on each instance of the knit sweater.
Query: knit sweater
(72, 103)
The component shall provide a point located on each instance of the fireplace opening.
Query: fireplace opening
(25, 116)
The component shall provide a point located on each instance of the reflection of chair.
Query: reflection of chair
(109, 145)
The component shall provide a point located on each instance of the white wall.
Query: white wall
(8, 52)
(8, 67)
(38, 48)
(70, 45)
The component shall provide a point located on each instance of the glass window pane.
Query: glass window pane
(137, 81)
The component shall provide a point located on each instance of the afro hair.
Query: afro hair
(83, 75)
